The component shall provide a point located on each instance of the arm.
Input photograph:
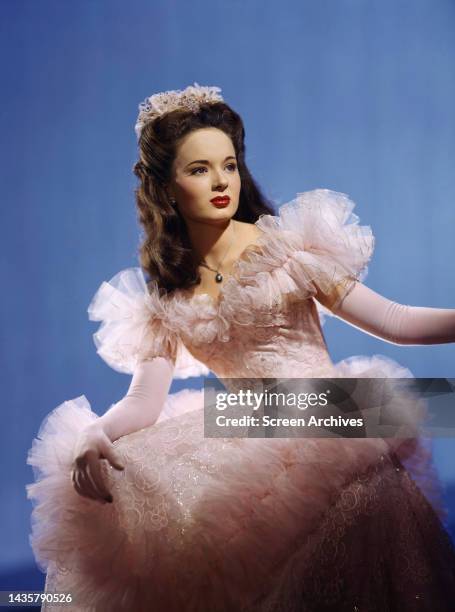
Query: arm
(139, 408)
(143, 402)
(393, 322)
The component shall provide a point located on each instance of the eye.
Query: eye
(195, 171)
(232, 165)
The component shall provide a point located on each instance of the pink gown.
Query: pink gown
(245, 524)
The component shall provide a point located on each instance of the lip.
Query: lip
(221, 200)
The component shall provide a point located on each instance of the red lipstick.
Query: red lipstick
(221, 201)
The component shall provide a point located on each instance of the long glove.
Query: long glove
(139, 408)
(393, 322)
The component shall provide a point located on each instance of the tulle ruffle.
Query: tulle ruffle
(314, 245)
(134, 326)
(59, 513)
(315, 240)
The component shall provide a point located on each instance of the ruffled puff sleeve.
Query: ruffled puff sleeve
(135, 326)
(323, 247)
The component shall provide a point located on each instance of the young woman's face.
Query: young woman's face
(195, 182)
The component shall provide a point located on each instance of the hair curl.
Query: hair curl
(166, 253)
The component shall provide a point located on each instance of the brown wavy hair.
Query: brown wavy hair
(166, 254)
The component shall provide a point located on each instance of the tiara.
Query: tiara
(190, 98)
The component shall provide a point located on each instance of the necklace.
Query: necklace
(218, 275)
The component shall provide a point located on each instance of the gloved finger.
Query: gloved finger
(93, 472)
(75, 479)
(85, 486)
(76, 485)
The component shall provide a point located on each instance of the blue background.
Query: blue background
(353, 95)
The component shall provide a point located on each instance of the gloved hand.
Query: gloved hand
(139, 408)
(92, 445)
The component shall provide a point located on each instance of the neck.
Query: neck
(210, 242)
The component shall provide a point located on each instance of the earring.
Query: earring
(173, 202)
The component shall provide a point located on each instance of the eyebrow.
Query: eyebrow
(206, 161)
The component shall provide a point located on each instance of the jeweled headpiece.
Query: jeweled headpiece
(190, 99)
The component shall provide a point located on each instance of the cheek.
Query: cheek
(193, 194)
(191, 188)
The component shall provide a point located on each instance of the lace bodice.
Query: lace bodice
(266, 322)
(283, 340)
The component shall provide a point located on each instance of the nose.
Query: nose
(220, 183)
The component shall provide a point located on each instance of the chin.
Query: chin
(225, 216)
(226, 213)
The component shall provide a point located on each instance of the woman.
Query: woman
(137, 510)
